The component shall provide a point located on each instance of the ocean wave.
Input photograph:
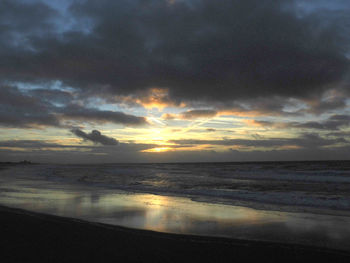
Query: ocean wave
(316, 185)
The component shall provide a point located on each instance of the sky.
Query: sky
(84, 81)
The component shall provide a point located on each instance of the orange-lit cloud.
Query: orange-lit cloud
(191, 114)
(278, 125)
(151, 98)
(240, 112)
(158, 149)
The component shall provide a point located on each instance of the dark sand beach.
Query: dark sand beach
(34, 237)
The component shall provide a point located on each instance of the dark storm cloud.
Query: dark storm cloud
(334, 122)
(20, 19)
(55, 96)
(95, 136)
(20, 110)
(76, 112)
(36, 108)
(199, 50)
(25, 120)
(272, 105)
(12, 96)
(320, 105)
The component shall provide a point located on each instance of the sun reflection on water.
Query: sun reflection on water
(175, 214)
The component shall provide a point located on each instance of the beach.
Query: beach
(35, 237)
(56, 213)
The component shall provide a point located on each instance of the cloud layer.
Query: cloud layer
(95, 136)
(198, 50)
(214, 73)
(39, 108)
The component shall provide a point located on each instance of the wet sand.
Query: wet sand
(34, 237)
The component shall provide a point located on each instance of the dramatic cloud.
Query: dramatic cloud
(20, 20)
(95, 136)
(20, 110)
(333, 123)
(100, 116)
(275, 71)
(38, 108)
(198, 50)
(52, 96)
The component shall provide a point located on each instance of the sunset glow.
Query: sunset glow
(86, 86)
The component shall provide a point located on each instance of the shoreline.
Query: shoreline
(35, 237)
(240, 201)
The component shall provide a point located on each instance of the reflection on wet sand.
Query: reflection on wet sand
(177, 214)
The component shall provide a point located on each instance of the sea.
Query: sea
(293, 202)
